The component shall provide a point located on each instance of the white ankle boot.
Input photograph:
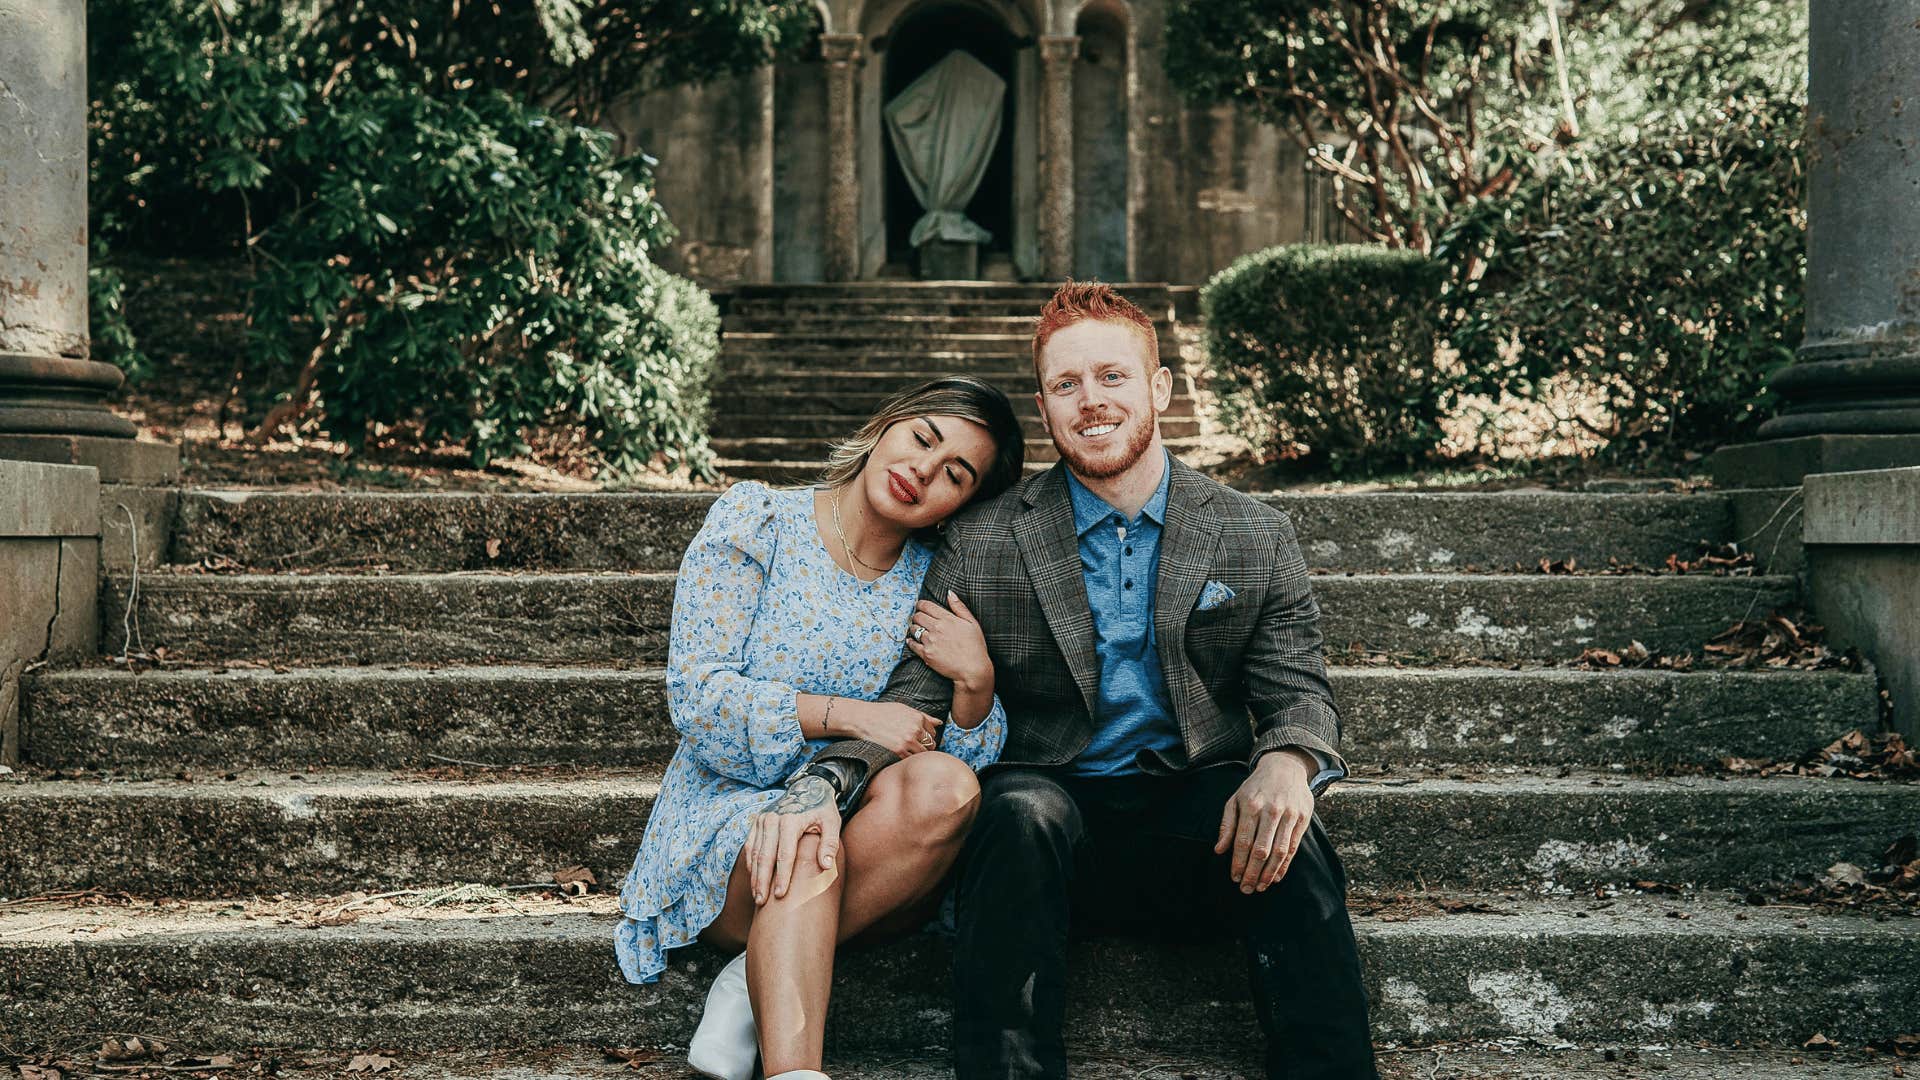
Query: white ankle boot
(725, 1044)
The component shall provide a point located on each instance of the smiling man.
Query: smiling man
(1156, 648)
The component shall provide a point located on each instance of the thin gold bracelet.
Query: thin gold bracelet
(826, 721)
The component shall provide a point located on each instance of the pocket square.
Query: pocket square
(1215, 594)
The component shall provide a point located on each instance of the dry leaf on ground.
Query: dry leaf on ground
(369, 1063)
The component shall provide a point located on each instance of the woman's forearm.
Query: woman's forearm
(972, 701)
(823, 717)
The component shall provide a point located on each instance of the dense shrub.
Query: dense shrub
(1659, 272)
(1327, 353)
(113, 339)
(436, 245)
(475, 266)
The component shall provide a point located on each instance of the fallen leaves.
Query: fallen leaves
(1892, 886)
(575, 880)
(1781, 641)
(1400, 907)
(369, 1063)
(1885, 756)
(633, 1057)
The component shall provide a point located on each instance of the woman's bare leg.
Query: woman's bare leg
(894, 855)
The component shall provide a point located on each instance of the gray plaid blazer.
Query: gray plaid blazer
(1244, 677)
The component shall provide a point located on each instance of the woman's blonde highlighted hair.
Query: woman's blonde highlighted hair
(954, 395)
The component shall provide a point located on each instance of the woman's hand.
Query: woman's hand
(900, 728)
(951, 643)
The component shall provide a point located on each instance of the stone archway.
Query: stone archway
(907, 37)
(923, 37)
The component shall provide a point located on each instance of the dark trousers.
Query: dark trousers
(1134, 854)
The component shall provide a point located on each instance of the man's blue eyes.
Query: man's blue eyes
(1067, 384)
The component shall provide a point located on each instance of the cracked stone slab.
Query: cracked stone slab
(455, 531)
(583, 617)
(350, 717)
(266, 833)
(1619, 973)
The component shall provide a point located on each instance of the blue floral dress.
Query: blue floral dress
(761, 613)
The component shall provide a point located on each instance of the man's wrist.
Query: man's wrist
(977, 683)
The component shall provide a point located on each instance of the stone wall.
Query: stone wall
(1162, 191)
(49, 576)
(1862, 537)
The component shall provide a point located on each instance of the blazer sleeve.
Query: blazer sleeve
(1286, 672)
(914, 683)
(735, 725)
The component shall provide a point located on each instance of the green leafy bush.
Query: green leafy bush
(1658, 273)
(438, 245)
(1327, 353)
(113, 339)
(472, 265)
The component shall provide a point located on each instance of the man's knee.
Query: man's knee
(1314, 886)
(1018, 806)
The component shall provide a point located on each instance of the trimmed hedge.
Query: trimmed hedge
(1326, 353)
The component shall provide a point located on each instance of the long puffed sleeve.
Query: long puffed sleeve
(980, 745)
(741, 727)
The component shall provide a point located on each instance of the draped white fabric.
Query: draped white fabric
(944, 128)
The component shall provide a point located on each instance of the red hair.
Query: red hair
(1077, 300)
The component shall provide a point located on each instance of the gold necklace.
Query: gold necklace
(846, 547)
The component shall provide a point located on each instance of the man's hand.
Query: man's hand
(774, 842)
(1266, 818)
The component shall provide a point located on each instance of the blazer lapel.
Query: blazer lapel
(1188, 545)
(1051, 552)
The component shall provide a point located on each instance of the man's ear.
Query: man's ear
(1040, 400)
(1162, 389)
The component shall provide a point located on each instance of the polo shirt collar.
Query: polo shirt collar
(1090, 509)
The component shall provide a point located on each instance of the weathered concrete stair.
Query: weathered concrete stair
(802, 366)
(337, 831)
(205, 719)
(1556, 971)
(1520, 789)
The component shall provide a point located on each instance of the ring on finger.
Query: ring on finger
(926, 740)
(919, 632)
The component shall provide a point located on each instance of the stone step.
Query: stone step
(868, 388)
(909, 366)
(1452, 1061)
(271, 530)
(330, 832)
(1146, 294)
(763, 398)
(1555, 972)
(814, 417)
(800, 458)
(589, 617)
(1003, 343)
(157, 722)
(908, 325)
(1013, 307)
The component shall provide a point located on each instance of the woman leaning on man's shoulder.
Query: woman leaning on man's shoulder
(791, 609)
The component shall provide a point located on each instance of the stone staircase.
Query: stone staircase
(804, 365)
(383, 692)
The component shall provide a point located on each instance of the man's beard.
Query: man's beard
(1103, 467)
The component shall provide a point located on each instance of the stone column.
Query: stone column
(844, 56)
(52, 397)
(1057, 55)
(1852, 398)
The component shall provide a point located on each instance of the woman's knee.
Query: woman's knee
(932, 795)
(809, 877)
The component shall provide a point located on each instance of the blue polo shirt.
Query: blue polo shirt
(1120, 561)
